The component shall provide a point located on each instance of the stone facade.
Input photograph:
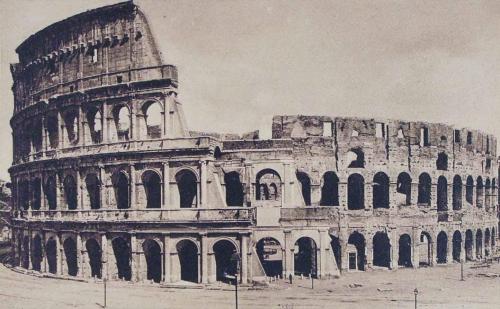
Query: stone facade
(108, 181)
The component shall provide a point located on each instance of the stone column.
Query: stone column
(133, 203)
(105, 125)
(449, 249)
(369, 249)
(44, 135)
(415, 252)
(60, 193)
(204, 258)
(60, 256)
(30, 256)
(203, 179)
(166, 259)
(394, 248)
(244, 258)
(102, 188)
(80, 256)
(166, 185)
(288, 258)
(104, 256)
(79, 196)
(81, 127)
(44, 267)
(60, 120)
(135, 259)
(322, 265)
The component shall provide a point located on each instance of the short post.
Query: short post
(290, 278)
(312, 280)
(462, 270)
(416, 293)
(104, 280)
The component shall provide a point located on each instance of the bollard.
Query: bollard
(104, 292)
(290, 278)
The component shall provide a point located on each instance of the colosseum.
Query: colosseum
(108, 181)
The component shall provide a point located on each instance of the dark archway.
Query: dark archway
(93, 190)
(224, 264)
(357, 157)
(121, 189)
(469, 190)
(380, 191)
(153, 116)
(152, 185)
(358, 241)
(404, 187)
(330, 190)
(442, 247)
(51, 253)
(457, 192)
(381, 250)
(305, 257)
(50, 190)
(457, 246)
(487, 197)
(271, 256)
(442, 162)
(355, 192)
(268, 185)
(469, 246)
(70, 192)
(95, 261)
(425, 249)
(404, 258)
(487, 242)
(187, 185)
(305, 186)
(442, 194)
(122, 252)
(36, 191)
(188, 260)
(337, 251)
(234, 189)
(26, 252)
(70, 253)
(479, 244)
(424, 189)
(479, 192)
(152, 252)
(36, 253)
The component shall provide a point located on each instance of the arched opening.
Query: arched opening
(188, 260)
(305, 257)
(356, 157)
(121, 189)
(487, 193)
(51, 253)
(234, 189)
(457, 192)
(469, 190)
(36, 253)
(51, 192)
(405, 251)
(424, 189)
(70, 253)
(36, 191)
(36, 134)
(93, 186)
(153, 116)
(330, 190)
(187, 185)
(94, 251)
(381, 250)
(94, 119)
(487, 238)
(121, 117)
(469, 246)
(26, 252)
(224, 263)
(442, 161)
(403, 187)
(152, 185)
(305, 186)
(122, 252)
(442, 247)
(380, 191)
(268, 185)
(457, 246)
(24, 193)
(479, 244)
(493, 240)
(355, 192)
(70, 118)
(337, 251)
(271, 256)
(70, 192)
(52, 130)
(357, 261)
(152, 252)
(425, 249)
(442, 194)
(479, 192)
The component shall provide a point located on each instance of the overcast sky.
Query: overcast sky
(240, 62)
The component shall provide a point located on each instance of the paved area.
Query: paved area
(439, 287)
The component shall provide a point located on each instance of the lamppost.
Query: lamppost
(235, 257)
(416, 293)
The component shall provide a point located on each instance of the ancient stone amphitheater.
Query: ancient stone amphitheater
(108, 181)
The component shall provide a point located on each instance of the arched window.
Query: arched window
(330, 190)
(356, 157)
(469, 190)
(50, 190)
(268, 185)
(380, 191)
(93, 190)
(355, 192)
(234, 189)
(403, 187)
(305, 184)
(442, 194)
(424, 189)
(53, 130)
(121, 117)
(152, 185)
(153, 116)
(36, 191)
(457, 192)
(442, 161)
(70, 192)
(381, 250)
(153, 255)
(487, 193)
(187, 186)
(94, 119)
(479, 192)
(121, 188)
(71, 123)
(442, 247)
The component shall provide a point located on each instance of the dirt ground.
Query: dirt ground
(439, 287)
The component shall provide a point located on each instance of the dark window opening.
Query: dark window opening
(93, 190)
(50, 190)
(152, 253)
(69, 246)
(122, 252)
(381, 250)
(70, 192)
(270, 255)
(268, 185)
(153, 115)
(457, 193)
(442, 247)
(424, 189)
(119, 79)
(36, 190)
(94, 251)
(37, 254)
(234, 189)
(442, 162)
(330, 190)
(51, 252)
(469, 190)
(305, 185)
(457, 136)
(405, 251)
(403, 187)
(479, 192)
(355, 192)
(424, 137)
(152, 185)
(469, 138)
(469, 245)
(425, 250)
(479, 244)
(457, 246)
(121, 190)
(358, 241)
(187, 186)
(357, 158)
(188, 260)
(380, 191)
(305, 257)
(442, 194)
(225, 264)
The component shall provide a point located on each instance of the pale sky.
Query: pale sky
(240, 62)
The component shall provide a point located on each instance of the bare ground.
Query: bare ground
(439, 287)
